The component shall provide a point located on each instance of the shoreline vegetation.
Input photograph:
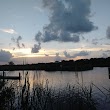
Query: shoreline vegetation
(19, 95)
(43, 97)
(71, 65)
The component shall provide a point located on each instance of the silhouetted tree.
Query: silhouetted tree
(11, 63)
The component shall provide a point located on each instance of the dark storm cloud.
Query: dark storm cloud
(108, 32)
(36, 48)
(5, 56)
(82, 53)
(67, 18)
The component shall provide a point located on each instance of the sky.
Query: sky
(40, 31)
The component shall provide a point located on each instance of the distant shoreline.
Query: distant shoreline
(71, 65)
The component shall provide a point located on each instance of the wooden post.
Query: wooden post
(3, 73)
(3, 76)
(19, 75)
(109, 72)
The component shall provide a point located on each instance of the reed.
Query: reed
(42, 97)
(7, 96)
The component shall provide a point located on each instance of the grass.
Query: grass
(7, 96)
(41, 97)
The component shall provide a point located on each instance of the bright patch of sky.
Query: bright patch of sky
(48, 28)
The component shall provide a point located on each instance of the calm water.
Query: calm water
(98, 76)
(58, 80)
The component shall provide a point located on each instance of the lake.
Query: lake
(98, 77)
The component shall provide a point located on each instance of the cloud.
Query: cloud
(107, 51)
(67, 55)
(23, 45)
(10, 31)
(107, 44)
(82, 53)
(36, 48)
(104, 55)
(13, 39)
(13, 48)
(68, 19)
(5, 56)
(57, 57)
(17, 41)
(108, 32)
(83, 38)
(46, 55)
(38, 37)
(95, 41)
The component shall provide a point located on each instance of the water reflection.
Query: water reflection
(98, 76)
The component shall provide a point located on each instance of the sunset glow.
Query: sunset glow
(34, 31)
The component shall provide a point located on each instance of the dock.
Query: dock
(10, 77)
